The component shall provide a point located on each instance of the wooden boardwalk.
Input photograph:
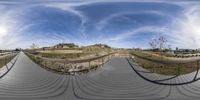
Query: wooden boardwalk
(115, 80)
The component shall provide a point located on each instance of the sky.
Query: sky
(118, 23)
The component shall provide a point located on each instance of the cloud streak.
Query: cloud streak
(88, 22)
(185, 29)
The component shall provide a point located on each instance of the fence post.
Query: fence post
(89, 64)
(99, 63)
(108, 58)
(45, 63)
(12, 54)
(6, 63)
(102, 62)
(64, 67)
(10, 58)
(153, 68)
(197, 65)
(197, 70)
(178, 70)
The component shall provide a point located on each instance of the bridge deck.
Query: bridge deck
(115, 80)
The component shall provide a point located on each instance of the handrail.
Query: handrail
(74, 60)
(170, 61)
(9, 68)
(161, 82)
(70, 66)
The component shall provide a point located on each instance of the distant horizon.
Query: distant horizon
(95, 44)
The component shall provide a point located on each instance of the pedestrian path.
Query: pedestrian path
(115, 80)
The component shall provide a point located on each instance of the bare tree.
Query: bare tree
(169, 47)
(153, 43)
(162, 44)
(33, 46)
(159, 43)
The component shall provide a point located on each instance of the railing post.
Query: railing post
(102, 62)
(89, 64)
(197, 70)
(153, 69)
(197, 65)
(10, 58)
(74, 69)
(45, 63)
(178, 70)
(99, 65)
(64, 67)
(6, 63)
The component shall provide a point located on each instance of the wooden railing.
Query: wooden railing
(7, 62)
(67, 66)
(179, 67)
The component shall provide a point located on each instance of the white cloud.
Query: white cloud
(102, 23)
(185, 30)
(70, 8)
(128, 34)
(10, 26)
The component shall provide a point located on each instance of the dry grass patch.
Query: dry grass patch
(163, 66)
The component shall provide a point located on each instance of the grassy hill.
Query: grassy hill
(70, 50)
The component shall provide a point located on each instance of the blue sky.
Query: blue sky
(120, 23)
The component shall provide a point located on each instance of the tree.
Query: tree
(162, 43)
(33, 46)
(17, 49)
(153, 44)
(159, 43)
(169, 47)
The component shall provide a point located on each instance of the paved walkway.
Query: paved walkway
(115, 80)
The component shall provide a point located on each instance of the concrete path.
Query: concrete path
(115, 80)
